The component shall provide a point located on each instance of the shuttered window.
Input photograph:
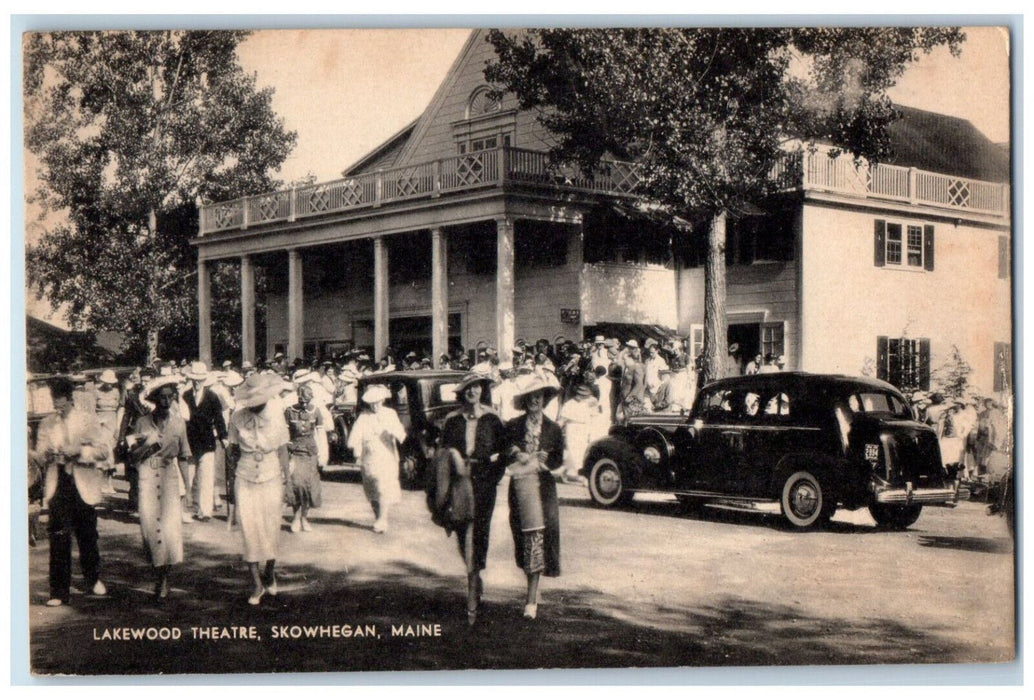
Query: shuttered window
(904, 362)
(903, 245)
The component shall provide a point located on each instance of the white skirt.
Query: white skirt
(160, 513)
(259, 511)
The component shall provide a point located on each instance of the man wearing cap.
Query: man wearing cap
(205, 425)
(73, 446)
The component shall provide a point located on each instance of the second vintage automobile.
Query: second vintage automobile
(798, 444)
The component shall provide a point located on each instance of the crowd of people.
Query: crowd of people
(172, 428)
(266, 428)
(973, 431)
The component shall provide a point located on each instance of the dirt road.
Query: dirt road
(646, 586)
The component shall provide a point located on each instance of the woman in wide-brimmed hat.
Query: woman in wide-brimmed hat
(468, 469)
(257, 443)
(374, 440)
(157, 447)
(534, 447)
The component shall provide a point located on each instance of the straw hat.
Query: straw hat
(471, 379)
(231, 378)
(303, 376)
(108, 377)
(257, 390)
(198, 371)
(152, 387)
(530, 385)
(375, 393)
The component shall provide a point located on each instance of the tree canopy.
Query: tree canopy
(707, 112)
(129, 130)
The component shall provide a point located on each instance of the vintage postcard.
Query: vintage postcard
(448, 349)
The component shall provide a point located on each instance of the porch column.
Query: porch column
(504, 278)
(380, 297)
(247, 309)
(204, 312)
(295, 305)
(439, 296)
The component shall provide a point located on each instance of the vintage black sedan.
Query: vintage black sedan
(795, 443)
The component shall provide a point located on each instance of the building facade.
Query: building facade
(455, 233)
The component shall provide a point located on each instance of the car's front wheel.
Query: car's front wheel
(894, 517)
(607, 485)
(803, 501)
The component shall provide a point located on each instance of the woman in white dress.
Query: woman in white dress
(159, 445)
(257, 442)
(374, 440)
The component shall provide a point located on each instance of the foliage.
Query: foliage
(952, 377)
(707, 112)
(129, 131)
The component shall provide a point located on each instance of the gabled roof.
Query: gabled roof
(943, 144)
(921, 139)
(384, 155)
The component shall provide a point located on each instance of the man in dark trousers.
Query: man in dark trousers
(73, 447)
(204, 426)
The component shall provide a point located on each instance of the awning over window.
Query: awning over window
(629, 331)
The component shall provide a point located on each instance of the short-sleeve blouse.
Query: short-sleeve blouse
(259, 435)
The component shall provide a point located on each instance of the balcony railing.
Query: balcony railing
(473, 171)
(815, 170)
(520, 167)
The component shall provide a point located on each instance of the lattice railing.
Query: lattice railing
(911, 185)
(523, 168)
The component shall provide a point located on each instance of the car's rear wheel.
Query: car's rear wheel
(607, 483)
(894, 517)
(803, 501)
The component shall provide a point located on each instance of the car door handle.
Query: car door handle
(734, 439)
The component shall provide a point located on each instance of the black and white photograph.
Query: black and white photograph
(658, 346)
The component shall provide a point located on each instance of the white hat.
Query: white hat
(257, 390)
(303, 376)
(198, 371)
(159, 382)
(375, 393)
(231, 378)
(633, 343)
(108, 377)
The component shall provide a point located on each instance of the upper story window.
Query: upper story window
(904, 245)
(484, 143)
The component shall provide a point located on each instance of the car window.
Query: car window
(400, 396)
(879, 402)
(778, 405)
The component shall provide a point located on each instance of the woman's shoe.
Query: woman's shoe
(306, 526)
(256, 598)
(472, 617)
(296, 525)
(380, 526)
(273, 588)
(531, 610)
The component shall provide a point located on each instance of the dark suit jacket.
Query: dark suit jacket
(206, 422)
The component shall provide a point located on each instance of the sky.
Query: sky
(347, 91)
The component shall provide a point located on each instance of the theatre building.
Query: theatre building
(455, 233)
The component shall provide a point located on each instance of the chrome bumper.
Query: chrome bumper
(947, 497)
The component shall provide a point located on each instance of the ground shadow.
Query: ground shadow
(583, 628)
(989, 545)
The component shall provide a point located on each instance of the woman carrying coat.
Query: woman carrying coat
(257, 444)
(468, 462)
(159, 446)
(534, 446)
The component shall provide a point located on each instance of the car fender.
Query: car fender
(627, 457)
(822, 466)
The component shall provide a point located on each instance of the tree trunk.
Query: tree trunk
(152, 345)
(152, 333)
(715, 331)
